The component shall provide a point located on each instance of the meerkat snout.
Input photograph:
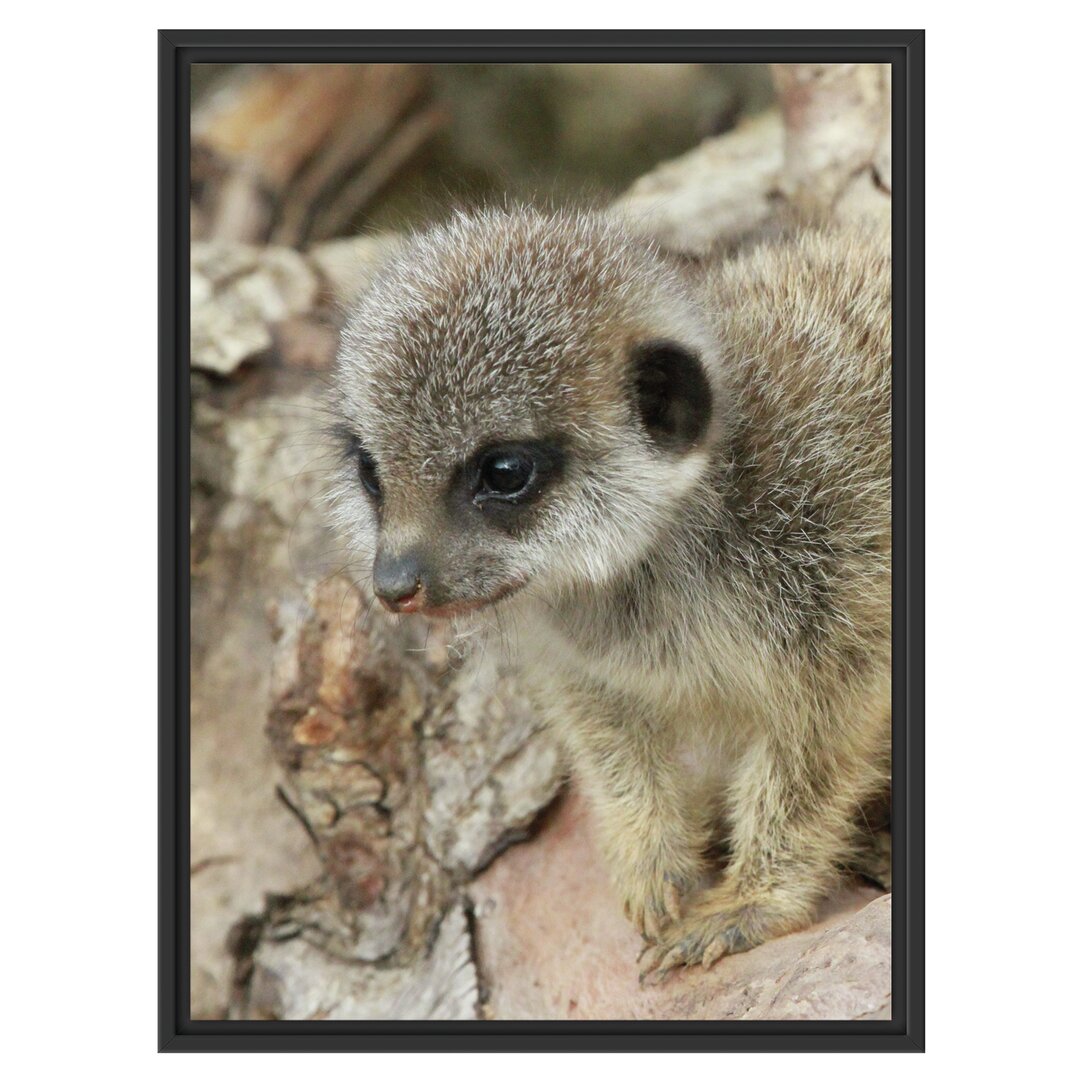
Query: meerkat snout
(399, 580)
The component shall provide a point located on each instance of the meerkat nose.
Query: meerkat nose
(398, 582)
(403, 602)
(404, 605)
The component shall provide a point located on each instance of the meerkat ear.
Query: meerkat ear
(674, 399)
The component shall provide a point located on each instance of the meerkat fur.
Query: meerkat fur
(694, 579)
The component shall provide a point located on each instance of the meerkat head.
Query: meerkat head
(524, 400)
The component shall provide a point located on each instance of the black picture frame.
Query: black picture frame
(904, 49)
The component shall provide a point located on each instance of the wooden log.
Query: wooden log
(822, 152)
(409, 773)
(837, 135)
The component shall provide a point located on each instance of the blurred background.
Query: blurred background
(302, 153)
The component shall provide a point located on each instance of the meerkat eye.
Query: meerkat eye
(503, 479)
(506, 473)
(369, 475)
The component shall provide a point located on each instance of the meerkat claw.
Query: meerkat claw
(648, 962)
(656, 969)
(713, 953)
(672, 900)
(653, 925)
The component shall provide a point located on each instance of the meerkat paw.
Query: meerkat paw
(716, 926)
(694, 940)
(655, 903)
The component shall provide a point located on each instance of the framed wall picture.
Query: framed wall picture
(541, 540)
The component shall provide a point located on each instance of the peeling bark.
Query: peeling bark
(408, 772)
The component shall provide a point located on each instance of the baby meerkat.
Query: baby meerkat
(668, 490)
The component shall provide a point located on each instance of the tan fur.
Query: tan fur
(708, 631)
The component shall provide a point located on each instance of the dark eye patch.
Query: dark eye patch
(501, 479)
(366, 468)
(368, 473)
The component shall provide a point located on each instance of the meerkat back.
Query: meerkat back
(805, 322)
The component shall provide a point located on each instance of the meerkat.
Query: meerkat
(667, 489)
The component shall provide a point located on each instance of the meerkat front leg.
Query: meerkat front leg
(649, 833)
(793, 812)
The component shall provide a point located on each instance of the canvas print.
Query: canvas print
(541, 542)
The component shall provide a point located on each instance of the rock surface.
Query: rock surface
(552, 944)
